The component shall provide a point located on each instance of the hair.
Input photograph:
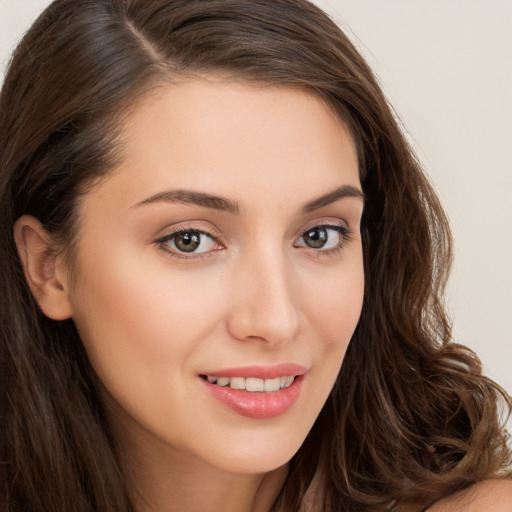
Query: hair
(411, 418)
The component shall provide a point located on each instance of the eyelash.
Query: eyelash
(344, 232)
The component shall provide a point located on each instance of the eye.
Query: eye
(323, 237)
(189, 241)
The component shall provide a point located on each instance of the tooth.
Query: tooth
(254, 385)
(237, 383)
(273, 384)
(222, 381)
(288, 381)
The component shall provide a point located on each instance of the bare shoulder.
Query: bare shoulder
(489, 495)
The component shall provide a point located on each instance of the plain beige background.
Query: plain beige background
(446, 66)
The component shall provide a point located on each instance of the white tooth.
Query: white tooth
(222, 381)
(237, 383)
(288, 381)
(254, 385)
(283, 381)
(273, 384)
(211, 380)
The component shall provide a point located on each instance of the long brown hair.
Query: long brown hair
(411, 418)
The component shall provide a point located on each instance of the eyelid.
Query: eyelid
(343, 230)
(198, 225)
(327, 222)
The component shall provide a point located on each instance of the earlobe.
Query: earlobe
(43, 269)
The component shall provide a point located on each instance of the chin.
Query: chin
(263, 463)
(258, 455)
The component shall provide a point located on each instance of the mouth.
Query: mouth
(252, 384)
(257, 392)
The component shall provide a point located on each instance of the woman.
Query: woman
(208, 210)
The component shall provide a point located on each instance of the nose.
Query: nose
(263, 305)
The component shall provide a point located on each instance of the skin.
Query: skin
(492, 495)
(152, 321)
(152, 318)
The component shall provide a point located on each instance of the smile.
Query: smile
(252, 384)
(256, 392)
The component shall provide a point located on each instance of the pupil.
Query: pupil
(316, 238)
(187, 242)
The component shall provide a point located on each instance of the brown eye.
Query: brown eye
(316, 238)
(323, 237)
(190, 241)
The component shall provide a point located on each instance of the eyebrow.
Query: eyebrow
(331, 197)
(196, 198)
(226, 205)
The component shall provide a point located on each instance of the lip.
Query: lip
(258, 405)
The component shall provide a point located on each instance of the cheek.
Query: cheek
(334, 307)
(136, 318)
(333, 310)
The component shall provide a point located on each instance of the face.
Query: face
(218, 277)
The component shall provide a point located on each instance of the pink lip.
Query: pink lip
(259, 405)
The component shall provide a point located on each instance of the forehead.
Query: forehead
(233, 139)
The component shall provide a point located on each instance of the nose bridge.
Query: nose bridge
(263, 303)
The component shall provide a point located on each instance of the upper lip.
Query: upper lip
(259, 371)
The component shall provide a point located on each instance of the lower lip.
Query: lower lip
(257, 404)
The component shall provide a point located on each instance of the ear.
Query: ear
(44, 269)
